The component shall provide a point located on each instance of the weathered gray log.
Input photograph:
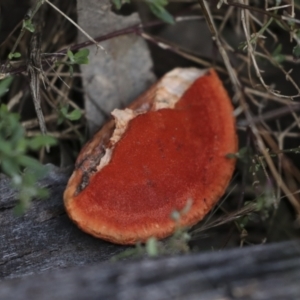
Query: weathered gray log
(261, 272)
(44, 238)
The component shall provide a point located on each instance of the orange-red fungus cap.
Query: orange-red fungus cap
(153, 158)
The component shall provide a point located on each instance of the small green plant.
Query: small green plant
(157, 7)
(27, 24)
(4, 85)
(23, 170)
(65, 114)
(277, 54)
(14, 55)
(79, 58)
(118, 3)
(244, 154)
(177, 243)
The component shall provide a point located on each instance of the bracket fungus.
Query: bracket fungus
(167, 147)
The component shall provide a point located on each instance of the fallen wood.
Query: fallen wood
(44, 237)
(261, 272)
(44, 241)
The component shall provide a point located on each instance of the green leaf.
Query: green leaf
(157, 8)
(4, 85)
(82, 61)
(117, 4)
(70, 55)
(27, 24)
(175, 215)
(60, 119)
(64, 110)
(296, 51)
(26, 194)
(243, 221)
(28, 162)
(34, 172)
(63, 114)
(243, 46)
(74, 115)
(244, 151)
(10, 167)
(16, 136)
(5, 148)
(13, 158)
(277, 54)
(19, 209)
(43, 193)
(161, 13)
(81, 57)
(277, 50)
(279, 58)
(14, 55)
(151, 247)
(41, 141)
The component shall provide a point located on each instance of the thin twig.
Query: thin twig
(240, 96)
(34, 70)
(76, 25)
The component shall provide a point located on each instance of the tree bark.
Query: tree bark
(44, 237)
(260, 273)
(44, 241)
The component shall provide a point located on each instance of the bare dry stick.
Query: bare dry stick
(76, 25)
(181, 52)
(65, 97)
(29, 124)
(23, 30)
(34, 70)
(272, 114)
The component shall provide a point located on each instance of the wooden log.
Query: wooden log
(44, 241)
(44, 237)
(260, 273)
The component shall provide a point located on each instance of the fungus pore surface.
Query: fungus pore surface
(163, 159)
